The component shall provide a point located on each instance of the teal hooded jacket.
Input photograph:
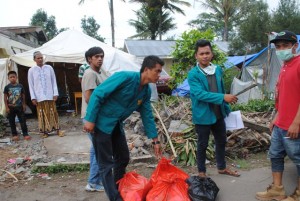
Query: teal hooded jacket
(116, 98)
(201, 97)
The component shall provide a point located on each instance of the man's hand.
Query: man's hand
(157, 151)
(7, 110)
(24, 107)
(55, 98)
(34, 102)
(157, 148)
(271, 126)
(228, 98)
(89, 127)
(293, 131)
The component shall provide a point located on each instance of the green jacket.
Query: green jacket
(116, 98)
(201, 97)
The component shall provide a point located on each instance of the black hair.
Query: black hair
(150, 62)
(11, 73)
(36, 53)
(93, 51)
(202, 43)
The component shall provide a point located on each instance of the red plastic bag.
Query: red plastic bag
(134, 187)
(165, 171)
(168, 183)
(177, 190)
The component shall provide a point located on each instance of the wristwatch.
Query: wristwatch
(156, 142)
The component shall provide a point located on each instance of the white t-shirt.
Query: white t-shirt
(90, 80)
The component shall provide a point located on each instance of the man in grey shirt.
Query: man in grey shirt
(92, 77)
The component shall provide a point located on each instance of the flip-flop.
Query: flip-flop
(229, 172)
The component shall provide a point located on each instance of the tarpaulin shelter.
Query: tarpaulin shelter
(263, 68)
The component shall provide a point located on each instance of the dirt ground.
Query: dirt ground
(70, 186)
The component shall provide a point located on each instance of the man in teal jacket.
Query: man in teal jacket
(110, 104)
(209, 107)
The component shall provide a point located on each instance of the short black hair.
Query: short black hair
(202, 43)
(93, 51)
(150, 62)
(36, 53)
(11, 73)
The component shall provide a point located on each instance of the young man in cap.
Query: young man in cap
(286, 124)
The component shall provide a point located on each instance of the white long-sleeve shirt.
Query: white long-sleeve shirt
(42, 83)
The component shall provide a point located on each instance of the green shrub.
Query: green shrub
(256, 105)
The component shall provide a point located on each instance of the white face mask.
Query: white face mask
(209, 70)
(285, 55)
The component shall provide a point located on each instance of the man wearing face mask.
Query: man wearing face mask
(209, 107)
(285, 127)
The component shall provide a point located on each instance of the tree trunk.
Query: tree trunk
(112, 22)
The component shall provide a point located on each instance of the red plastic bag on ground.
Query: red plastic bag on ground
(177, 190)
(168, 183)
(165, 171)
(134, 187)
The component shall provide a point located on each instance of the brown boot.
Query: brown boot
(272, 193)
(294, 197)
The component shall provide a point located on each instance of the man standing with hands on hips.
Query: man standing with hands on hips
(110, 104)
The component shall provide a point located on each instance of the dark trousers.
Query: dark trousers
(219, 132)
(17, 111)
(112, 156)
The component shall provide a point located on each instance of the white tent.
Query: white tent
(70, 47)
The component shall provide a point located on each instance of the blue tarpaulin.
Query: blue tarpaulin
(182, 90)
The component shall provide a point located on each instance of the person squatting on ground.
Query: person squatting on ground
(110, 104)
(14, 100)
(44, 93)
(286, 123)
(91, 78)
(209, 107)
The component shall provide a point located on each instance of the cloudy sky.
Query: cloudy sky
(69, 14)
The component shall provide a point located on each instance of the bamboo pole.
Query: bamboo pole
(166, 131)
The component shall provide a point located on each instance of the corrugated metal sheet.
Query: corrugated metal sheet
(142, 48)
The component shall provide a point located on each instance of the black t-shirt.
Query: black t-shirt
(14, 94)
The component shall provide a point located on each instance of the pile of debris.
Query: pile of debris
(174, 122)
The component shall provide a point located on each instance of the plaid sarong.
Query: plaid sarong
(47, 116)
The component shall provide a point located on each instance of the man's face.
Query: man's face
(204, 56)
(39, 59)
(12, 78)
(284, 45)
(96, 60)
(153, 73)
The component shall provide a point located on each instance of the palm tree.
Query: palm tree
(112, 19)
(147, 24)
(161, 6)
(227, 11)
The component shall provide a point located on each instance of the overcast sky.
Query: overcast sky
(69, 14)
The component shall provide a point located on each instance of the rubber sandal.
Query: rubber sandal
(15, 138)
(27, 137)
(229, 172)
(45, 135)
(202, 174)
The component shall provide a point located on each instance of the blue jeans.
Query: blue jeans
(282, 147)
(94, 176)
(219, 132)
(113, 157)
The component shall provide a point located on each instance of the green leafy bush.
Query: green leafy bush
(256, 105)
(184, 57)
